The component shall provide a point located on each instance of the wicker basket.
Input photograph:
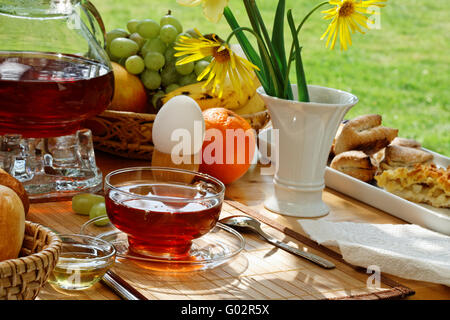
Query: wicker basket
(23, 278)
(129, 134)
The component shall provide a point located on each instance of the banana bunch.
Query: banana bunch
(248, 102)
(254, 105)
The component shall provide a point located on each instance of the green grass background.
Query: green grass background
(400, 71)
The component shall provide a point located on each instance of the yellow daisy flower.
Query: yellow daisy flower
(224, 62)
(212, 9)
(346, 16)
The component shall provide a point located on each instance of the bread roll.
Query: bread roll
(364, 133)
(9, 181)
(356, 164)
(12, 224)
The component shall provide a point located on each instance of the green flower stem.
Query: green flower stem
(302, 88)
(275, 59)
(273, 88)
(279, 45)
(245, 43)
(250, 52)
(252, 16)
(291, 53)
(265, 55)
(277, 30)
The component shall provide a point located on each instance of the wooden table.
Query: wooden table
(251, 190)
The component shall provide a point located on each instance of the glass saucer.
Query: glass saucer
(211, 250)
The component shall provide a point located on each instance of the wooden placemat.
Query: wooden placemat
(260, 271)
(397, 290)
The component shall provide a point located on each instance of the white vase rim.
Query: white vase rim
(352, 99)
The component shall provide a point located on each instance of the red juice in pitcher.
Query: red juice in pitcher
(47, 94)
(160, 220)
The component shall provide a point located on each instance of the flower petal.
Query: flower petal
(333, 43)
(189, 3)
(234, 76)
(205, 72)
(191, 58)
(213, 9)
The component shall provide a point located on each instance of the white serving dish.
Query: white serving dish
(436, 219)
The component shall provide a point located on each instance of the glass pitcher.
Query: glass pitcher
(54, 73)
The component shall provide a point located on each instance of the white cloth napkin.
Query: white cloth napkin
(408, 251)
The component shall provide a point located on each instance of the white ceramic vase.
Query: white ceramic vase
(306, 132)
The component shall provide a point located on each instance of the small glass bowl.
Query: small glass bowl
(83, 261)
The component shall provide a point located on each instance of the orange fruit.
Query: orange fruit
(229, 145)
(129, 92)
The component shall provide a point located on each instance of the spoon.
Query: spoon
(248, 223)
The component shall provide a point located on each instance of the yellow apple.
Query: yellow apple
(129, 92)
(12, 224)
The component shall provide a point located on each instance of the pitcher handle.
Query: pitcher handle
(87, 5)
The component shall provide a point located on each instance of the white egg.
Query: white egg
(179, 125)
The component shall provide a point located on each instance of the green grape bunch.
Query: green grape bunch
(92, 205)
(146, 49)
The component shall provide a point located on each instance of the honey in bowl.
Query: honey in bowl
(83, 261)
(162, 214)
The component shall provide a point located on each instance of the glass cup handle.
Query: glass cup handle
(87, 5)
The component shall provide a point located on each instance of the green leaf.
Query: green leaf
(271, 85)
(278, 43)
(274, 58)
(278, 34)
(301, 79)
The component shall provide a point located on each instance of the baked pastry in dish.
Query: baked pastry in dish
(421, 183)
(364, 133)
(404, 142)
(356, 164)
(338, 132)
(399, 156)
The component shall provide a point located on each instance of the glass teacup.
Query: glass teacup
(162, 209)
